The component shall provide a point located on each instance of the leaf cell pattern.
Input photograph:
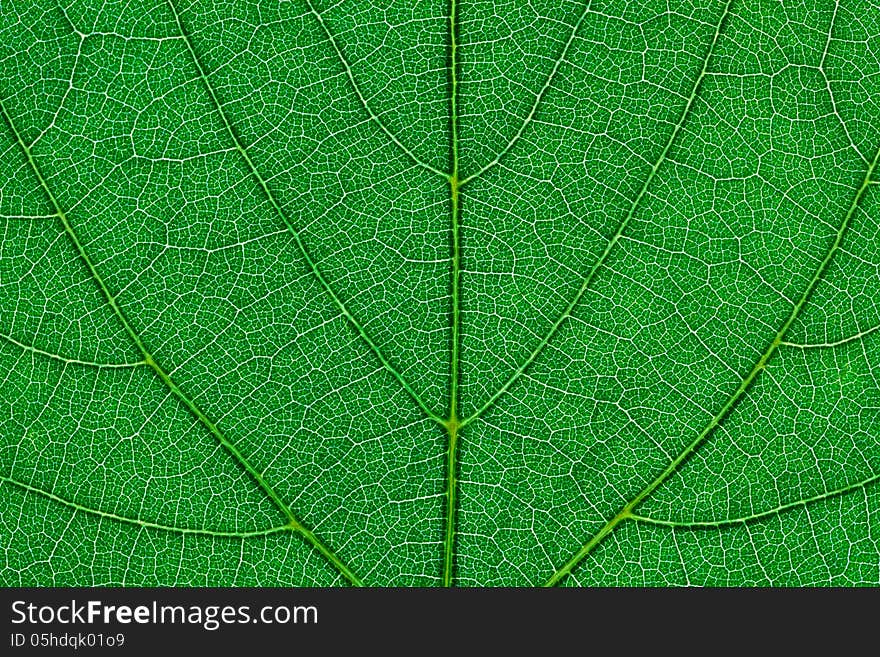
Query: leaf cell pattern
(496, 292)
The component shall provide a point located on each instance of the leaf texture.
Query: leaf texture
(472, 292)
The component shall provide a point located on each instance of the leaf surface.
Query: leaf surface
(417, 293)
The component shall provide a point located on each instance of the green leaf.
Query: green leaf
(466, 292)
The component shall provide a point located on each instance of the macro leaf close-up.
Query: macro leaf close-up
(440, 293)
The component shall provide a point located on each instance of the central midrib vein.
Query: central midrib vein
(452, 423)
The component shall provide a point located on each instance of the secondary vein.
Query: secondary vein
(293, 522)
(744, 385)
(373, 116)
(69, 361)
(837, 343)
(531, 115)
(566, 313)
(711, 524)
(135, 521)
(276, 206)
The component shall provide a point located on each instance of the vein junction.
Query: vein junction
(293, 523)
(450, 421)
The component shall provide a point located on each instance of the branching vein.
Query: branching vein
(714, 524)
(824, 345)
(373, 116)
(70, 361)
(452, 424)
(276, 206)
(449, 418)
(708, 430)
(293, 522)
(618, 233)
(538, 98)
(135, 521)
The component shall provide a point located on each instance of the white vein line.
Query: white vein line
(717, 420)
(821, 345)
(283, 217)
(373, 116)
(28, 217)
(828, 83)
(125, 37)
(135, 521)
(69, 361)
(531, 115)
(708, 524)
(293, 523)
(620, 229)
(61, 103)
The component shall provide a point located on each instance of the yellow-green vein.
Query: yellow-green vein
(712, 524)
(293, 522)
(759, 366)
(135, 521)
(373, 116)
(452, 423)
(69, 361)
(538, 98)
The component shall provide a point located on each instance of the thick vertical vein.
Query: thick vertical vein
(276, 206)
(609, 247)
(293, 523)
(452, 424)
(744, 385)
